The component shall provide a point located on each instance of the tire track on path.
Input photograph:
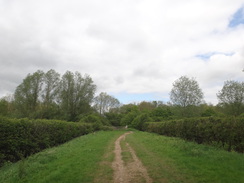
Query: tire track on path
(134, 171)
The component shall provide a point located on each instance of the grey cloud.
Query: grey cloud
(127, 45)
(150, 70)
(119, 80)
(20, 56)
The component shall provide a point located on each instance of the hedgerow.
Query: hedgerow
(20, 138)
(222, 132)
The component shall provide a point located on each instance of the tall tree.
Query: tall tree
(105, 103)
(27, 94)
(76, 94)
(231, 97)
(50, 88)
(147, 106)
(186, 93)
(6, 106)
(3, 107)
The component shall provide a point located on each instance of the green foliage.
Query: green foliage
(209, 112)
(91, 118)
(22, 137)
(226, 133)
(129, 117)
(75, 161)
(76, 94)
(128, 108)
(3, 107)
(170, 159)
(46, 95)
(186, 92)
(146, 106)
(113, 118)
(27, 93)
(139, 121)
(94, 118)
(105, 103)
(161, 113)
(231, 97)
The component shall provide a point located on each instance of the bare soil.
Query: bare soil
(132, 171)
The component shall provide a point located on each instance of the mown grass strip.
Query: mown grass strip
(75, 161)
(174, 160)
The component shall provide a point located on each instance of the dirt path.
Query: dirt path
(133, 171)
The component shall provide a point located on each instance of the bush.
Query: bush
(139, 121)
(94, 118)
(23, 137)
(161, 113)
(113, 118)
(129, 117)
(223, 132)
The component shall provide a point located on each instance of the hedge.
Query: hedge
(222, 132)
(20, 138)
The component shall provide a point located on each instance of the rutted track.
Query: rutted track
(134, 171)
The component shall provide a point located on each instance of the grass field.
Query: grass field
(75, 161)
(89, 158)
(175, 160)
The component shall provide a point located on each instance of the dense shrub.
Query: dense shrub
(161, 113)
(227, 133)
(113, 118)
(139, 121)
(94, 118)
(129, 117)
(22, 137)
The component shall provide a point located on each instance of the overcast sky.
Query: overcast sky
(133, 49)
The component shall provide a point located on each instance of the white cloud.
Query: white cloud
(126, 46)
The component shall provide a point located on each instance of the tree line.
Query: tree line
(47, 95)
(71, 97)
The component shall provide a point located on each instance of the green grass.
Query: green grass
(126, 155)
(89, 159)
(75, 161)
(175, 160)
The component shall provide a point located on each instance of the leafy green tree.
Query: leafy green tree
(7, 106)
(187, 94)
(139, 121)
(209, 110)
(129, 117)
(51, 81)
(105, 103)
(114, 118)
(3, 107)
(146, 106)
(161, 113)
(49, 108)
(27, 94)
(124, 109)
(231, 97)
(76, 94)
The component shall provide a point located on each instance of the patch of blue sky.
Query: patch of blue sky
(238, 18)
(126, 98)
(207, 56)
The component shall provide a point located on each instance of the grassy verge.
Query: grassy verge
(175, 160)
(75, 161)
